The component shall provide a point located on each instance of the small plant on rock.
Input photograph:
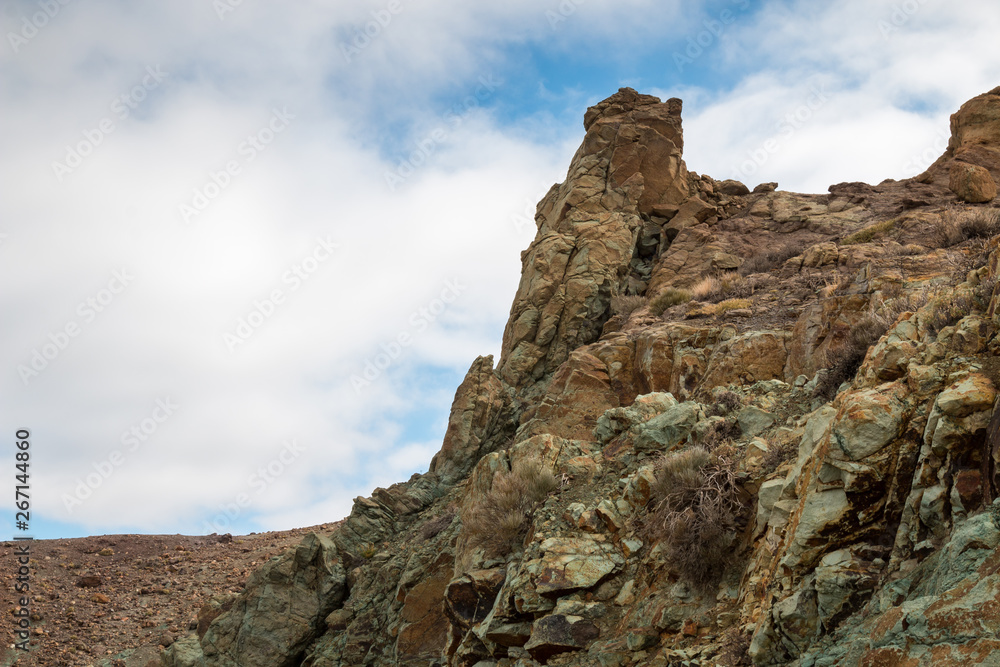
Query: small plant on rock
(843, 363)
(696, 508)
(980, 223)
(667, 298)
(497, 522)
(625, 305)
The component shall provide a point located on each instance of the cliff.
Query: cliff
(727, 427)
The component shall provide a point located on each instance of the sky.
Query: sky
(249, 248)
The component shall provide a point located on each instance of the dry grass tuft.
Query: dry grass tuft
(731, 304)
(623, 305)
(696, 510)
(725, 402)
(777, 453)
(767, 261)
(667, 298)
(497, 522)
(706, 288)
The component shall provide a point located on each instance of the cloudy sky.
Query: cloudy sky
(249, 248)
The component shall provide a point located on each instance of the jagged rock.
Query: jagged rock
(470, 597)
(670, 429)
(573, 563)
(616, 421)
(754, 421)
(480, 415)
(972, 183)
(279, 613)
(630, 160)
(558, 633)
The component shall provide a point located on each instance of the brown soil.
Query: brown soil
(149, 592)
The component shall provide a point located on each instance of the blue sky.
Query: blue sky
(222, 208)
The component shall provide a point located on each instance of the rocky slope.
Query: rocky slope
(781, 450)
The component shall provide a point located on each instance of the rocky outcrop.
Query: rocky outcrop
(866, 530)
(277, 616)
(629, 166)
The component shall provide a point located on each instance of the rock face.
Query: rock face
(629, 166)
(834, 357)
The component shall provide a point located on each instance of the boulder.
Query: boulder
(972, 183)
(558, 633)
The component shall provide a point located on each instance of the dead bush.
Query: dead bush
(735, 649)
(777, 453)
(625, 305)
(721, 433)
(498, 521)
(696, 510)
(843, 363)
(772, 259)
(980, 223)
(725, 402)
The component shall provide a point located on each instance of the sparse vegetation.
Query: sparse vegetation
(980, 223)
(721, 433)
(696, 508)
(843, 363)
(497, 522)
(706, 288)
(773, 259)
(731, 304)
(735, 649)
(878, 230)
(725, 402)
(667, 298)
(728, 285)
(625, 305)
(777, 453)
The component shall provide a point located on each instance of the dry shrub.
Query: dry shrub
(879, 229)
(735, 649)
(497, 521)
(980, 223)
(667, 298)
(764, 262)
(696, 512)
(843, 363)
(721, 433)
(706, 289)
(777, 453)
(725, 402)
(623, 305)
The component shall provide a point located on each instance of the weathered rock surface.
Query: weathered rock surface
(869, 531)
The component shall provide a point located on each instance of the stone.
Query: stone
(767, 496)
(556, 633)
(754, 421)
(868, 421)
(639, 487)
(574, 563)
(618, 420)
(469, 598)
(281, 611)
(722, 261)
(669, 430)
(88, 581)
(609, 514)
(732, 188)
(479, 413)
(765, 187)
(972, 183)
(975, 393)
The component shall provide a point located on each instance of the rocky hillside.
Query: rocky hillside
(728, 427)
